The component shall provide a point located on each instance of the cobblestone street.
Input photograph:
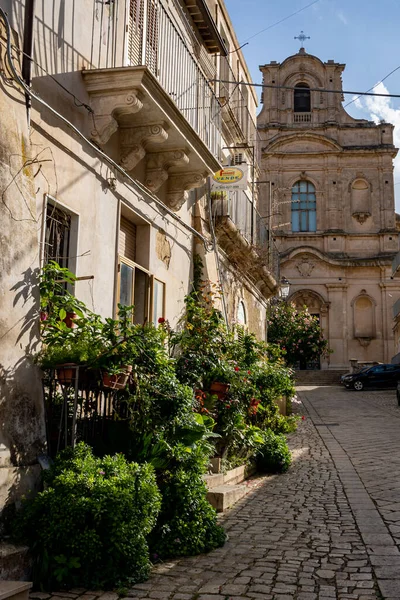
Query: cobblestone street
(328, 529)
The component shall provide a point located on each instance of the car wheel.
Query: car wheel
(358, 386)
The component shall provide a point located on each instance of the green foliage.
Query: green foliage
(187, 522)
(273, 455)
(89, 526)
(297, 332)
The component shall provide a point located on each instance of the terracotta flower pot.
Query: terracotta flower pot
(66, 373)
(117, 382)
(69, 319)
(219, 389)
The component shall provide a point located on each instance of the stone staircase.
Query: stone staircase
(322, 377)
(224, 489)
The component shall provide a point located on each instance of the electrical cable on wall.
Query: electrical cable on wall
(116, 166)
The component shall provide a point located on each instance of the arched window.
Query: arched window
(241, 314)
(302, 98)
(304, 213)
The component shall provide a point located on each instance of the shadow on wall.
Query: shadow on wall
(22, 435)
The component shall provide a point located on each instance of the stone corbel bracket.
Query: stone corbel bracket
(135, 139)
(361, 217)
(178, 186)
(108, 108)
(158, 165)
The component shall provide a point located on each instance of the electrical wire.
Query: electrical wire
(136, 184)
(77, 102)
(374, 86)
(291, 87)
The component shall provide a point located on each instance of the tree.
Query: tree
(297, 332)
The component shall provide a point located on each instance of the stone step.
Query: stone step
(14, 590)
(331, 377)
(224, 496)
(15, 562)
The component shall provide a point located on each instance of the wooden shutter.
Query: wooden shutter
(152, 36)
(127, 239)
(135, 36)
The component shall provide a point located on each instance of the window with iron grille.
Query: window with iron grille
(57, 236)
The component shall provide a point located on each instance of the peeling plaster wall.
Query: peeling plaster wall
(22, 430)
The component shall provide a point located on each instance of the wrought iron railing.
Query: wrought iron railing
(238, 207)
(145, 33)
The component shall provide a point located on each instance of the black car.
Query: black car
(378, 376)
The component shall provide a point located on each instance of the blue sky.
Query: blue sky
(363, 34)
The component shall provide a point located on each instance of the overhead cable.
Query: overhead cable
(110, 161)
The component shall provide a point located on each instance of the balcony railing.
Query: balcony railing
(248, 221)
(396, 265)
(396, 308)
(145, 33)
(302, 117)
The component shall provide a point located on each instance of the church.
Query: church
(329, 200)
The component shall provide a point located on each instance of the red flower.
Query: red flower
(248, 372)
(303, 418)
(161, 320)
(237, 369)
(227, 405)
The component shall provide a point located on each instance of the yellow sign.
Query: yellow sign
(230, 178)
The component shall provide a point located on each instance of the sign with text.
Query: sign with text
(230, 178)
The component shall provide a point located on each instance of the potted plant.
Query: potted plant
(64, 358)
(56, 302)
(219, 379)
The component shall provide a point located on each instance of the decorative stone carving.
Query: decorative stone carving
(158, 164)
(178, 185)
(305, 267)
(364, 341)
(136, 138)
(108, 108)
(361, 217)
(163, 247)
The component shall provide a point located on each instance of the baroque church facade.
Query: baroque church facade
(330, 204)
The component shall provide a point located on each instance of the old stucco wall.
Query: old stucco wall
(21, 404)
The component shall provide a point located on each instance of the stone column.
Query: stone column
(338, 319)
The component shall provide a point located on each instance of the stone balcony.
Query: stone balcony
(152, 131)
(245, 240)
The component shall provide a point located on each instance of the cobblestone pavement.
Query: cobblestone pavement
(329, 529)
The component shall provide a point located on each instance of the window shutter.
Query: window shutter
(127, 239)
(152, 37)
(135, 36)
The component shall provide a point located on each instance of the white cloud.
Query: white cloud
(380, 109)
(341, 16)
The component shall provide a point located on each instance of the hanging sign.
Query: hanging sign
(230, 178)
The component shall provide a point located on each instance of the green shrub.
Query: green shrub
(89, 527)
(187, 524)
(273, 454)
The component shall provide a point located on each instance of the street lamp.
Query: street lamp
(284, 288)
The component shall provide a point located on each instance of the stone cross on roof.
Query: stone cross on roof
(302, 37)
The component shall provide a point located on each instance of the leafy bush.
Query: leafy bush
(187, 524)
(89, 526)
(273, 455)
(297, 332)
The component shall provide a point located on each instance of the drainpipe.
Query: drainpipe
(28, 52)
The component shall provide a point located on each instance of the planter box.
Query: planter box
(226, 489)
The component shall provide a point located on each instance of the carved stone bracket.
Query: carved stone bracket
(134, 140)
(178, 185)
(107, 109)
(158, 165)
(364, 341)
(361, 217)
